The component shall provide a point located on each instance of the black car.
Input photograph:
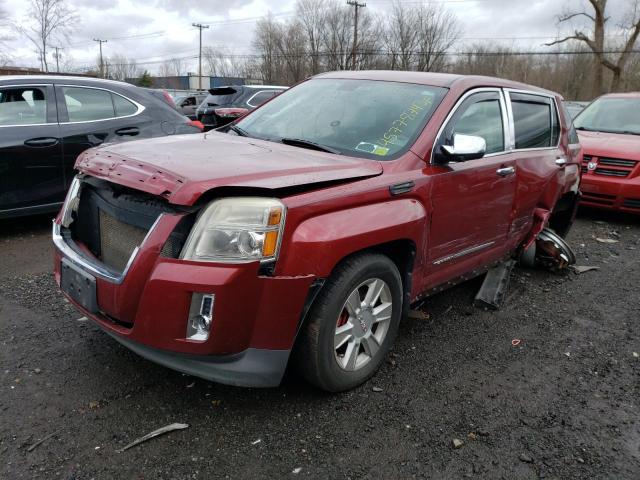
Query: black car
(225, 104)
(47, 121)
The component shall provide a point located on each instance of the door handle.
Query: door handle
(505, 171)
(561, 162)
(128, 131)
(41, 142)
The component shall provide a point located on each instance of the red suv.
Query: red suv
(303, 233)
(609, 131)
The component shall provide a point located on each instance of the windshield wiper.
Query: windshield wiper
(300, 142)
(238, 130)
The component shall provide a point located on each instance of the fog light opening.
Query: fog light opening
(200, 316)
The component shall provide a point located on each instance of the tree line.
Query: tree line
(320, 36)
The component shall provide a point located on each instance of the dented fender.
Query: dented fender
(317, 244)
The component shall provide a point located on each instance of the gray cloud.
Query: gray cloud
(111, 19)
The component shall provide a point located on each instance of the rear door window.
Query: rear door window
(23, 106)
(91, 104)
(535, 121)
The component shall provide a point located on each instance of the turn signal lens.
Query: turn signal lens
(275, 216)
(270, 244)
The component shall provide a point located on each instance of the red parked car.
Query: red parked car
(304, 233)
(609, 131)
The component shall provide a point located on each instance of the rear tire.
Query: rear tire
(352, 324)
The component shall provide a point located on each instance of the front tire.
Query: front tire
(352, 323)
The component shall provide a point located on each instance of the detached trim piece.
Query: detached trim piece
(400, 188)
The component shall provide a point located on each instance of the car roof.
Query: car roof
(447, 80)
(264, 86)
(61, 78)
(622, 95)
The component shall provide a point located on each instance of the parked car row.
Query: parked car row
(47, 121)
(226, 104)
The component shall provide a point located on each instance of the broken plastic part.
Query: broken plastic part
(496, 282)
(553, 252)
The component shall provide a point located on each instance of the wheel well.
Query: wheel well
(403, 254)
(563, 213)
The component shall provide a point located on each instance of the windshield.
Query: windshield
(614, 115)
(366, 118)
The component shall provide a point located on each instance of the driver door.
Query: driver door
(472, 200)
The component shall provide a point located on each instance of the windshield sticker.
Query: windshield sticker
(372, 148)
(398, 126)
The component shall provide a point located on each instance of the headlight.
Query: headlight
(242, 229)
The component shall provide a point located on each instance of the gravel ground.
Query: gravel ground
(563, 403)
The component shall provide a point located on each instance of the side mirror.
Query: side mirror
(465, 147)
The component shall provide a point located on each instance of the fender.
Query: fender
(319, 243)
(540, 219)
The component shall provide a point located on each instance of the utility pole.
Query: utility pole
(356, 5)
(57, 57)
(101, 61)
(200, 26)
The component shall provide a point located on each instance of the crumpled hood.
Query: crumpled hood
(183, 167)
(615, 145)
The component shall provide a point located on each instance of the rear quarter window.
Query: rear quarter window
(535, 120)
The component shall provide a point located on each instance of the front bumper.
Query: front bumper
(146, 308)
(252, 368)
(611, 193)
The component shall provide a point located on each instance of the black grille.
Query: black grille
(616, 162)
(118, 240)
(112, 221)
(611, 172)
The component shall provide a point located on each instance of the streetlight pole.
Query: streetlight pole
(200, 27)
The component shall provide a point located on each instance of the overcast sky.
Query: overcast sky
(163, 27)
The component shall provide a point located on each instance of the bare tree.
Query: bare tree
(174, 67)
(4, 35)
(438, 31)
(312, 15)
(596, 40)
(121, 67)
(338, 37)
(222, 63)
(47, 20)
(266, 38)
(418, 38)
